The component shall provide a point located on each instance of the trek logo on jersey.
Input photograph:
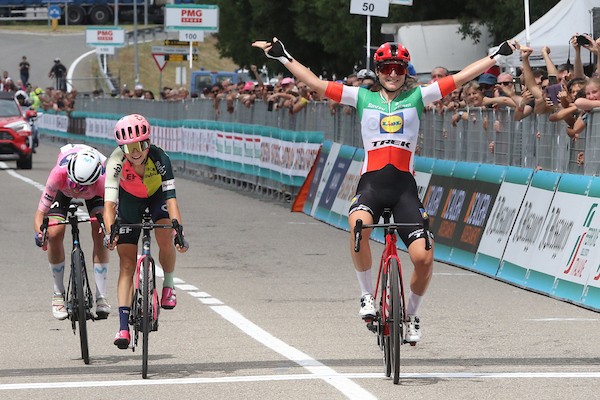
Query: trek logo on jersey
(391, 123)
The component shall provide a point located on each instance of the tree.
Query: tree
(326, 37)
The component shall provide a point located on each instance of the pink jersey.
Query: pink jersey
(57, 180)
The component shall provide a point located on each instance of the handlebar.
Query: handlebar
(360, 226)
(69, 221)
(179, 239)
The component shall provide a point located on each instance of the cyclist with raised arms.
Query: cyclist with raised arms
(139, 176)
(390, 119)
(78, 174)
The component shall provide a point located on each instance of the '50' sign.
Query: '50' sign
(376, 8)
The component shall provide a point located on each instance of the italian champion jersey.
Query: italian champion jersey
(390, 129)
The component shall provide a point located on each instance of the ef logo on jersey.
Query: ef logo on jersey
(391, 123)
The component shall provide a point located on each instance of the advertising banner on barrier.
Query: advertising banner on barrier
(520, 254)
(588, 251)
(343, 185)
(502, 219)
(311, 198)
(338, 170)
(327, 166)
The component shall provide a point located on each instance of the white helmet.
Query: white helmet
(366, 73)
(85, 167)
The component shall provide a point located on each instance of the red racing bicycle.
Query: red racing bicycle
(145, 307)
(389, 323)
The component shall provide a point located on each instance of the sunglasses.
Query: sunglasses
(74, 186)
(504, 83)
(131, 147)
(387, 69)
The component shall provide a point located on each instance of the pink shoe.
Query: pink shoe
(122, 339)
(169, 298)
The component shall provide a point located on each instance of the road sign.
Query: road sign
(172, 50)
(375, 8)
(110, 50)
(172, 42)
(191, 36)
(108, 36)
(192, 17)
(160, 61)
(54, 12)
(180, 57)
(402, 2)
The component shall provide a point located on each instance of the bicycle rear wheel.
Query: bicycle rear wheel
(146, 314)
(396, 320)
(79, 304)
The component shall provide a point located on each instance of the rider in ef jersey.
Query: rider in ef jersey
(139, 176)
(390, 117)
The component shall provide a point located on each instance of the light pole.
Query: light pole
(135, 43)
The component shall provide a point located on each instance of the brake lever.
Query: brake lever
(357, 235)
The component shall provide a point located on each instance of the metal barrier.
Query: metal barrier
(488, 136)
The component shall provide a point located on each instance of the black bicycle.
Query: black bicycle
(145, 306)
(78, 297)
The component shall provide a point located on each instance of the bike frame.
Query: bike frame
(390, 251)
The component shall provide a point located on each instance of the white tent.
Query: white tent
(554, 29)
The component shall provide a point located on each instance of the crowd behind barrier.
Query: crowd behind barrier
(489, 136)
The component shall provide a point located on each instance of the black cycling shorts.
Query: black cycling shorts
(60, 206)
(394, 189)
(131, 209)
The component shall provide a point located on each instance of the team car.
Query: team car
(16, 141)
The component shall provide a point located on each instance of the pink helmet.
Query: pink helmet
(132, 128)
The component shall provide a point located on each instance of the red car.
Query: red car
(16, 141)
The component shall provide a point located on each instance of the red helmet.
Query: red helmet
(391, 52)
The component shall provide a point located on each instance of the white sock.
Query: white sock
(365, 281)
(414, 302)
(58, 273)
(100, 276)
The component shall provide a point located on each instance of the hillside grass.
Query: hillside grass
(123, 65)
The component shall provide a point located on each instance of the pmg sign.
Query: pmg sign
(192, 17)
(105, 36)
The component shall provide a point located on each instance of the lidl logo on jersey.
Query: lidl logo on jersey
(391, 123)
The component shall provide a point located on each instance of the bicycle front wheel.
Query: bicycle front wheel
(396, 320)
(146, 313)
(79, 304)
(383, 322)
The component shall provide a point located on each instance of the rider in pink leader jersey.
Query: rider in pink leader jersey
(78, 174)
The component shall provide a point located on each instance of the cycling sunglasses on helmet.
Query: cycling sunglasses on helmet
(131, 147)
(74, 186)
(387, 69)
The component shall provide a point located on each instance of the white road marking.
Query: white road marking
(295, 377)
(14, 174)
